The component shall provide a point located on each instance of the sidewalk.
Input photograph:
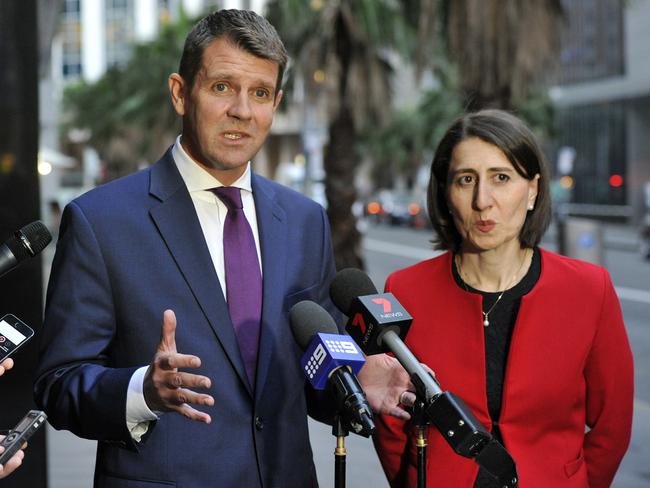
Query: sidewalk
(622, 237)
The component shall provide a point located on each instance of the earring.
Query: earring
(531, 206)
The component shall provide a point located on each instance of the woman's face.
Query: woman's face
(487, 198)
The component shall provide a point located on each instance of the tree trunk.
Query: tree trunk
(340, 163)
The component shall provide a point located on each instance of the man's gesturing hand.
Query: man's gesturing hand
(165, 387)
(387, 386)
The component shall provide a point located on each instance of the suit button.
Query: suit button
(259, 424)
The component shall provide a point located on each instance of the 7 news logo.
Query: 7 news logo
(386, 313)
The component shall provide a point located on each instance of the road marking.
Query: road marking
(420, 254)
(641, 406)
(633, 295)
(401, 250)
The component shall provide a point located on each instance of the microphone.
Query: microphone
(26, 242)
(378, 323)
(332, 360)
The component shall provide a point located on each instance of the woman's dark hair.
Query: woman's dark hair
(245, 29)
(517, 142)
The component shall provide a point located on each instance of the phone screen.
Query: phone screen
(10, 338)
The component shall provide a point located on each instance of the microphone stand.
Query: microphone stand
(340, 432)
(421, 425)
(454, 420)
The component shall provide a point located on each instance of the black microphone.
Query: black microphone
(26, 242)
(331, 360)
(378, 323)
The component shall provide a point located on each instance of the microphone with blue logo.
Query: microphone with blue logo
(331, 361)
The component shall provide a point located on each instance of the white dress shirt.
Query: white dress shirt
(212, 215)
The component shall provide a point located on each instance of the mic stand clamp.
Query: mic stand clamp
(469, 438)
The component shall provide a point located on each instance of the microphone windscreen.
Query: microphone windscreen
(308, 319)
(37, 235)
(17, 247)
(348, 284)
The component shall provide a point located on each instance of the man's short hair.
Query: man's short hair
(245, 29)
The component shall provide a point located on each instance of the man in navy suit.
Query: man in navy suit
(149, 248)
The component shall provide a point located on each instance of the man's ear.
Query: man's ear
(278, 97)
(177, 91)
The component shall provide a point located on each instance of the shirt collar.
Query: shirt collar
(198, 179)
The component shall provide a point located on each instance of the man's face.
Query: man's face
(228, 112)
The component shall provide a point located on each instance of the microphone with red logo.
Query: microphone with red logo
(378, 323)
(331, 360)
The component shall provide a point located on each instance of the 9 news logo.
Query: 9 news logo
(321, 352)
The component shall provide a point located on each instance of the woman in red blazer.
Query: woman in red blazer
(532, 341)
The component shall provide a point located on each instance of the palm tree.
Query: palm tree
(341, 48)
(502, 48)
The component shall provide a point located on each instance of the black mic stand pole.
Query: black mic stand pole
(340, 432)
(421, 422)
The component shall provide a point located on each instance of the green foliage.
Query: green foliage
(538, 112)
(128, 111)
(372, 23)
(400, 147)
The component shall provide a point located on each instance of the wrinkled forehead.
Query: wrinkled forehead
(224, 59)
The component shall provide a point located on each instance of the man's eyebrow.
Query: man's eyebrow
(228, 77)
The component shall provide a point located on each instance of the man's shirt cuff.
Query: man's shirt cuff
(138, 414)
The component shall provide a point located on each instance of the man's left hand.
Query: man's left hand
(387, 385)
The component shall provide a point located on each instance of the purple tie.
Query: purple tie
(243, 277)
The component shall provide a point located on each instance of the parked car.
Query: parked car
(397, 208)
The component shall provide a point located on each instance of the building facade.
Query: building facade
(603, 105)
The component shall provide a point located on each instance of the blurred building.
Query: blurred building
(603, 106)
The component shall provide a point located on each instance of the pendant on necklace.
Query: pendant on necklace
(486, 322)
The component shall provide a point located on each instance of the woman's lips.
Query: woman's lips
(485, 225)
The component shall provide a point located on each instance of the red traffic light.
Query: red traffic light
(616, 180)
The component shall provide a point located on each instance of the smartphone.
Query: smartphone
(17, 436)
(13, 334)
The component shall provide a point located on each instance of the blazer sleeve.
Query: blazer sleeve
(391, 442)
(610, 392)
(75, 384)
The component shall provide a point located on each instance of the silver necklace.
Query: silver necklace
(486, 315)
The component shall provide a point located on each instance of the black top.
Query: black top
(497, 344)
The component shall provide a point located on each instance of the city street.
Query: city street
(386, 248)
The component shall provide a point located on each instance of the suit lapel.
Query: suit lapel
(271, 221)
(179, 227)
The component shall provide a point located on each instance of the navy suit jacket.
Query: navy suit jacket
(129, 250)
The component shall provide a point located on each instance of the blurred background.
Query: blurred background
(372, 85)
